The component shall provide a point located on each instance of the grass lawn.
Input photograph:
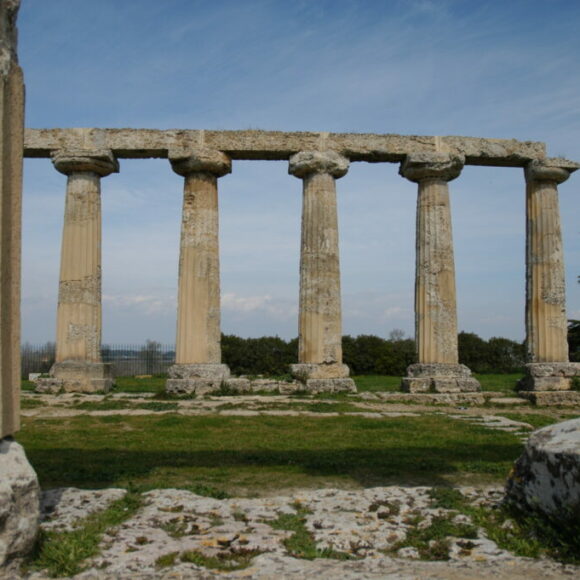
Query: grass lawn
(260, 455)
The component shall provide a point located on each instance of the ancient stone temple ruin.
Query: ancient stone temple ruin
(318, 159)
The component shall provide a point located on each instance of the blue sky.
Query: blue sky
(428, 67)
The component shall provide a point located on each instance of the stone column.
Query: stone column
(435, 306)
(320, 365)
(78, 365)
(546, 320)
(198, 365)
(19, 490)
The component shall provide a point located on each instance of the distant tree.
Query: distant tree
(396, 334)
(473, 352)
(574, 340)
(152, 357)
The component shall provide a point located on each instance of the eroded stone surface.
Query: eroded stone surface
(362, 524)
(547, 475)
(19, 504)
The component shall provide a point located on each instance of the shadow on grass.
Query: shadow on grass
(396, 466)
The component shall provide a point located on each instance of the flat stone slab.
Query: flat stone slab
(552, 398)
(508, 401)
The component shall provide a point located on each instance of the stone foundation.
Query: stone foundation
(78, 377)
(196, 378)
(19, 506)
(323, 378)
(549, 376)
(439, 378)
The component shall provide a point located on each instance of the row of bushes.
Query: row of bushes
(368, 354)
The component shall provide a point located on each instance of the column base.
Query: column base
(439, 378)
(196, 378)
(73, 376)
(19, 507)
(553, 376)
(323, 378)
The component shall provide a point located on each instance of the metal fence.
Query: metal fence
(151, 358)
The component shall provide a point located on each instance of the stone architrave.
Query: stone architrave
(78, 365)
(198, 367)
(435, 304)
(19, 490)
(548, 368)
(320, 365)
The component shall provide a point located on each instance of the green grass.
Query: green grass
(152, 384)
(62, 553)
(529, 534)
(501, 383)
(535, 420)
(301, 543)
(254, 455)
(377, 383)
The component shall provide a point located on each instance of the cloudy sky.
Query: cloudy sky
(429, 67)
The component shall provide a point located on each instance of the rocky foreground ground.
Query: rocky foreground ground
(176, 534)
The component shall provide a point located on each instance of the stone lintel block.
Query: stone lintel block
(306, 163)
(552, 398)
(551, 169)
(213, 371)
(19, 507)
(306, 371)
(99, 161)
(330, 386)
(74, 376)
(432, 165)
(193, 386)
(199, 160)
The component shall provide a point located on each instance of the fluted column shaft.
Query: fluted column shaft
(198, 319)
(546, 321)
(435, 302)
(435, 297)
(320, 319)
(79, 317)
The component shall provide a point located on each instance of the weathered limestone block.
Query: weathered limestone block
(330, 386)
(547, 475)
(77, 376)
(439, 378)
(198, 346)
(199, 370)
(11, 147)
(320, 318)
(546, 321)
(193, 386)
(552, 398)
(19, 505)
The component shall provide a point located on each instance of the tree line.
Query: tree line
(365, 354)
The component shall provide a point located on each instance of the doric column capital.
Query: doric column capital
(426, 165)
(555, 170)
(202, 160)
(99, 161)
(306, 163)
